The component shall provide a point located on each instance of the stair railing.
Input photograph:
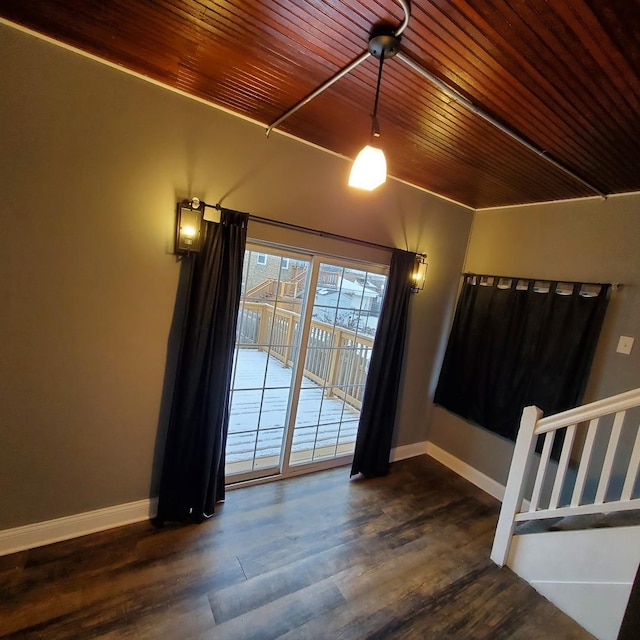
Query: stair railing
(551, 481)
(264, 289)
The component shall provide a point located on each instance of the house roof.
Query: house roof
(564, 76)
(348, 286)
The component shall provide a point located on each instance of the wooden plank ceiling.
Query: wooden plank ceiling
(564, 75)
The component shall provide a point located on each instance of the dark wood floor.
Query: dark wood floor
(320, 556)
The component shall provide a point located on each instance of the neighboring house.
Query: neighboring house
(358, 306)
(268, 266)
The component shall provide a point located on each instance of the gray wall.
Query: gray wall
(93, 161)
(583, 240)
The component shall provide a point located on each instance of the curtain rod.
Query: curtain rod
(297, 227)
(613, 285)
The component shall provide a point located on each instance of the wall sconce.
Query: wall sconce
(189, 217)
(419, 274)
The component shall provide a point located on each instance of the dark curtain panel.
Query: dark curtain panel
(192, 479)
(377, 418)
(511, 347)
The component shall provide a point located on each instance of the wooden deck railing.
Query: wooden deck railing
(552, 481)
(270, 287)
(337, 358)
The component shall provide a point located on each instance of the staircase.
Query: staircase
(576, 539)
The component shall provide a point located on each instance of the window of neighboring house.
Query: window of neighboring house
(261, 258)
(285, 263)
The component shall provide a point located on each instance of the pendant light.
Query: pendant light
(369, 169)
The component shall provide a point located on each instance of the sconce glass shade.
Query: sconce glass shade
(188, 226)
(419, 274)
(369, 169)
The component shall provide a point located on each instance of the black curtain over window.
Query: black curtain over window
(378, 414)
(516, 343)
(192, 478)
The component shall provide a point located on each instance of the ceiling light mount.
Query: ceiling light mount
(386, 45)
(383, 42)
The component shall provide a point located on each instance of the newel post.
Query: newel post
(518, 473)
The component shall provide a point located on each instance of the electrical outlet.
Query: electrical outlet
(625, 344)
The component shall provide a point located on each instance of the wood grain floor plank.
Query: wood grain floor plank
(281, 616)
(242, 598)
(186, 619)
(335, 530)
(97, 601)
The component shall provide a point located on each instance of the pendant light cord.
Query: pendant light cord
(375, 127)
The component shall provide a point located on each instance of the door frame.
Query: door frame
(285, 469)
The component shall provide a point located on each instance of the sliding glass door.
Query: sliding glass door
(344, 317)
(305, 333)
(274, 293)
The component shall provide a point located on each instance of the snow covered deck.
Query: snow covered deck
(325, 426)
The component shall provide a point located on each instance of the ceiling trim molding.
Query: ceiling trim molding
(611, 196)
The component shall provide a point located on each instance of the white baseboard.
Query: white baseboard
(81, 524)
(408, 451)
(50, 531)
(484, 482)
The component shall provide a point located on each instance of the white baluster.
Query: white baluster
(605, 476)
(585, 459)
(567, 445)
(632, 471)
(549, 437)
